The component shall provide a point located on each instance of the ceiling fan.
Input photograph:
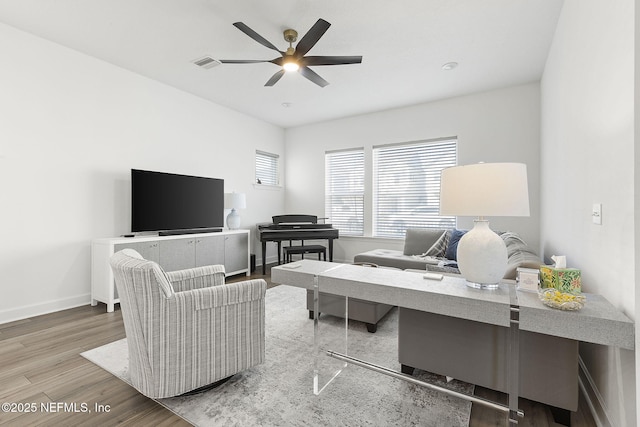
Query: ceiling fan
(295, 59)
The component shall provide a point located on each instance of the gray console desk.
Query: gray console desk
(519, 317)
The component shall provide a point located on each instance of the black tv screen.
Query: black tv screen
(167, 202)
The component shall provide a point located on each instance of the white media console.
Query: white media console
(229, 248)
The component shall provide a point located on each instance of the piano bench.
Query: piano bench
(301, 250)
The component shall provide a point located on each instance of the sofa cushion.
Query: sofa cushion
(513, 241)
(394, 258)
(452, 247)
(521, 259)
(417, 241)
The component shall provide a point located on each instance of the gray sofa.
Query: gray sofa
(478, 353)
(367, 312)
(434, 250)
(364, 311)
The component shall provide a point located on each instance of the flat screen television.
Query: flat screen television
(173, 204)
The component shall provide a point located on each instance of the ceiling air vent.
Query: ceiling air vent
(206, 62)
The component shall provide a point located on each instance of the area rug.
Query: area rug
(279, 392)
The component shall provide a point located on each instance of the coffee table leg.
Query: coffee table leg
(514, 360)
(320, 371)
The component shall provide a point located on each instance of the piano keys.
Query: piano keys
(294, 227)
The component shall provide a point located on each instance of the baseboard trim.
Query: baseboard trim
(24, 312)
(592, 396)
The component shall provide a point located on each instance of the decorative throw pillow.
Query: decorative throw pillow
(452, 247)
(439, 247)
(513, 242)
(417, 241)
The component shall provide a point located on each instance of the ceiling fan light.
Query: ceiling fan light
(290, 65)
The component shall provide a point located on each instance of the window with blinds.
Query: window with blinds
(267, 171)
(344, 191)
(406, 186)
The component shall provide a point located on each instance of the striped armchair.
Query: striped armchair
(186, 329)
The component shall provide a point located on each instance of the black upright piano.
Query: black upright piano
(294, 227)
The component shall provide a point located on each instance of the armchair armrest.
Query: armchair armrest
(196, 278)
(219, 296)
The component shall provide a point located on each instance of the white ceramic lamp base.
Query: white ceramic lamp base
(233, 220)
(482, 256)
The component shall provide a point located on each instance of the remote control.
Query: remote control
(291, 265)
(432, 276)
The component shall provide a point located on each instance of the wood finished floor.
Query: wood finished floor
(40, 362)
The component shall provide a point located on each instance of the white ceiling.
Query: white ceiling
(404, 44)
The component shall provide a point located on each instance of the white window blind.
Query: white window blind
(406, 191)
(267, 171)
(344, 191)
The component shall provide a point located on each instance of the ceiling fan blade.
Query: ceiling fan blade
(277, 61)
(311, 75)
(257, 37)
(311, 38)
(243, 61)
(331, 60)
(274, 79)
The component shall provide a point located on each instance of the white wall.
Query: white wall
(497, 126)
(587, 156)
(72, 128)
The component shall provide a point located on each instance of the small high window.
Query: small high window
(267, 168)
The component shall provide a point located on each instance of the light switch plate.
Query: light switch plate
(596, 213)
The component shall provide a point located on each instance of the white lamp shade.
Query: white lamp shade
(235, 201)
(485, 189)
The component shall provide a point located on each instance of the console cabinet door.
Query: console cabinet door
(177, 254)
(148, 250)
(235, 252)
(210, 250)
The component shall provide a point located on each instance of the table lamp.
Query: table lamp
(481, 190)
(234, 201)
